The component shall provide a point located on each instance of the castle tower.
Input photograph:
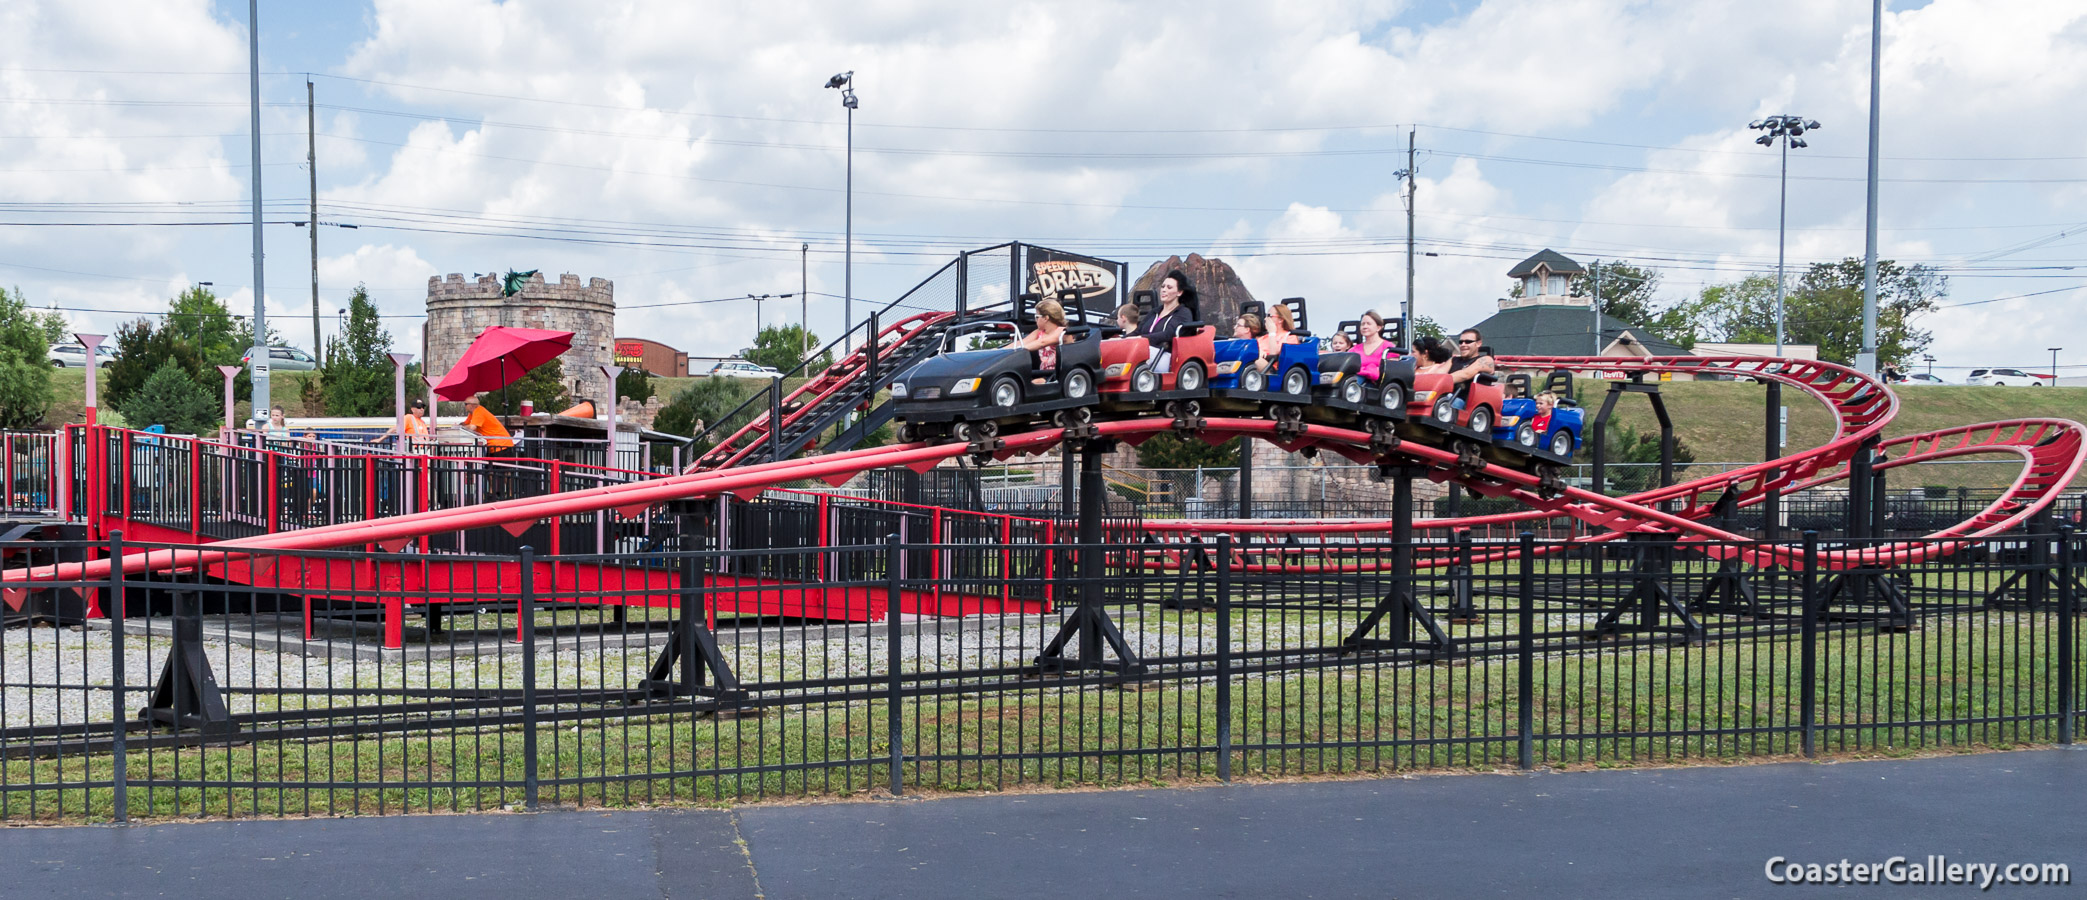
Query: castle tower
(458, 310)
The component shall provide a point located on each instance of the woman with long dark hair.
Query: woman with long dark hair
(1177, 307)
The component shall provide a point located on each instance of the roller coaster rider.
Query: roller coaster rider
(1178, 307)
(1470, 361)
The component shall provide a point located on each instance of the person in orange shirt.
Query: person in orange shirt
(416, 424)
(479, 421)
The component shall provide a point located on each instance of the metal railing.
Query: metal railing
(258, 687)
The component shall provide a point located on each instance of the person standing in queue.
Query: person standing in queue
(480, 421)
(1177, 307)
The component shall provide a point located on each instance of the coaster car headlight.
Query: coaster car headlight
(965, 386)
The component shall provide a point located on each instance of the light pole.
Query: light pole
(804, 293)
(846, 83)
(1791, 130)
(1930, 361)
(1406, 174)
(2054, 364)
(259, 356)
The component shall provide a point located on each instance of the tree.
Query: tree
(705, 404)
(1169, 451)
(197, 331)
(142, 346)
(357, 379)
(56, 329)
(25, 373)
(1425, 327)
(1740, 312)
(1626, 445)
(543, 386)
(1628, 292)
(781, 347)
(635, 383)
(170, 397)
(1824, 308)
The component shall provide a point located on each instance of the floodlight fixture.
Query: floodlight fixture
(1787, 127)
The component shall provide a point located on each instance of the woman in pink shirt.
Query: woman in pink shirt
(1374, 349)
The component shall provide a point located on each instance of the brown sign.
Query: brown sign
(1049, 276)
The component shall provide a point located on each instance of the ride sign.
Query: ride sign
(1051, 272)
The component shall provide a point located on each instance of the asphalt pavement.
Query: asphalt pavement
(1690, 832)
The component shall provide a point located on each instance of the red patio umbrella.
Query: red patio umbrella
(498, 357)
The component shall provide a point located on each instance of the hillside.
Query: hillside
(1722, 421)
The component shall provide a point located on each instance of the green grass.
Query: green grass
(1879, 693)
(1722, 421)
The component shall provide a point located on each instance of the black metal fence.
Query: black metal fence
(259, 686)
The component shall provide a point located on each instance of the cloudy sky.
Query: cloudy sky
(687, 151)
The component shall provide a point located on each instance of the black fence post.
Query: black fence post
(892, 558)
(1224, 658)
(526, 612)
(2068, 600)
(119, 765)
(1808, 633)
(1525, 655)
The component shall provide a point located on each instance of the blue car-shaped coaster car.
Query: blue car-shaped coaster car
(1559, 436)
(1287, 379)
(972, 394)
(1342, 387)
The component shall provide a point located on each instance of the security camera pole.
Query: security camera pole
(1790, 130)
(846, 83)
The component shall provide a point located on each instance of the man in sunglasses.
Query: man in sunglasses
(1470, 360)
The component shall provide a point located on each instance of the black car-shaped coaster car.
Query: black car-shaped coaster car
(972, 394)
(1342, 389)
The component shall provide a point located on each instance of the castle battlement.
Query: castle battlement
(459, 309)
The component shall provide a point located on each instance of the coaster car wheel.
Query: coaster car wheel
(1191, 376)
(1253, 380)
(1561, 442)
(1351, 389)
(1394, 395)
(1078, 384)
(1296, 383)
(1525, 434)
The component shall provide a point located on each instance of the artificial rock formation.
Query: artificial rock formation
(1217, 286)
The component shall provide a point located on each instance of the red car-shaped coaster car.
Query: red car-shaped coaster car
(1477, 410)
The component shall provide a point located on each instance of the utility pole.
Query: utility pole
(1407, 173)
(1594, 304)
(1866, 360)
(804, 292)
(311, 162)
(260, 355)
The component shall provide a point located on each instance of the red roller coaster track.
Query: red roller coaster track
(2053, 451)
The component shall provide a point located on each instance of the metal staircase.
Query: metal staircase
(824, 402)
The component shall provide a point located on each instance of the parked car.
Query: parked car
(1998, 377)
(286, 359)
(74, 356)
(1922, 378)
(740, 368)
